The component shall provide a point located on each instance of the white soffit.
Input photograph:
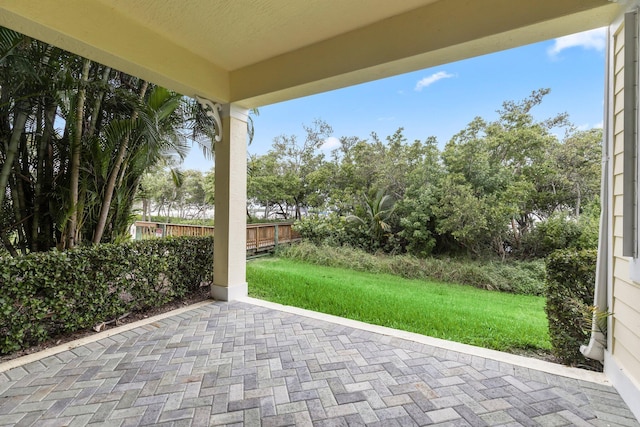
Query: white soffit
(256, 52)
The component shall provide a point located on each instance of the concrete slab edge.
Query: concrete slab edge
(33, 357)
(526, 362)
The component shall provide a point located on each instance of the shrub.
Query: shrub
(332, 230)
(515, 277)
(562, 231)
(569, 291)
(417, 228)
(46, 294)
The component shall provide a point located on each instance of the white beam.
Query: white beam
(100, 33)
(437, 33)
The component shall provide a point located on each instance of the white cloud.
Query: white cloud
(587, 126)
(593, 39)
(427, 81)
(386, 118)
(330, 143)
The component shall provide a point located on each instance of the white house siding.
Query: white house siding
(624, 350)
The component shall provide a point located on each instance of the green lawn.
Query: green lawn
(454, 312)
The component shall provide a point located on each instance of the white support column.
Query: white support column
(230, 248)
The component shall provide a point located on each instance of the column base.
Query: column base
(229, 293)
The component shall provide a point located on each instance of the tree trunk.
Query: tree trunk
(22, 191)
(282, 211)
(95, 112)
(145, 208)
(516, 233)
(18, 129)
(7, 244)
(40, 240)
(17, 198)
(74, 166)
(113, 176)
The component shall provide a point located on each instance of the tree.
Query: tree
(36, 81)
(290, 175)
(267, 184)
(375, 214)
(495, 187)
(60, 187)
(177, 193)
(579, 160)
(505, 166)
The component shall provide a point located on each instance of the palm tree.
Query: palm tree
(375, 213)
(152, 133)
(59, 187)
(33, 78)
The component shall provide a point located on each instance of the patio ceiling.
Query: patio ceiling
(257, 52)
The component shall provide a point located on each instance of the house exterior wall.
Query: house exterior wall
(622, 359)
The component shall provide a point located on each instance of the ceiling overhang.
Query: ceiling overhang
(284, 59)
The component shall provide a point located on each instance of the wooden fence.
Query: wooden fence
(260, 237)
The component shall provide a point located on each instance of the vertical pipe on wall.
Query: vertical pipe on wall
(630, 222)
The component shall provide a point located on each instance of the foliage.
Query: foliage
(49, 293)
(509, 187)
(291, 175)
(187, 195)
(75, 139)
(563, 230)
(514, 277)
(417, 228)
(318, 230)
(374, 214)
(505, 175)
(569, 292)
(454, 312)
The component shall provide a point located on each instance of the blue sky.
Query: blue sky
(442, 100)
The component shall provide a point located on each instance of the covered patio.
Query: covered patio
(254, 363)
(236, 55)
(240, 362)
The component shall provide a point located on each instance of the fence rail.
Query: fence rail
(260, 237)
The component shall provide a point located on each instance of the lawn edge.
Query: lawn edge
(500, 356)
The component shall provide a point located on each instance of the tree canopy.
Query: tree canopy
(492, 189)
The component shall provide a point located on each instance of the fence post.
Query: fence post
(275, 236)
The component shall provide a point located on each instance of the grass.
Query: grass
(516, 277)
(465, 314)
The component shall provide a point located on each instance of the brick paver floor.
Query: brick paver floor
(243, 364)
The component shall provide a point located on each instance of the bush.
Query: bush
(515, 277)
(562, 231)
(332, 230)
(569, 290)
(47, 294)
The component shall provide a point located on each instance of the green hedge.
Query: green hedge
(569, 290)
(43, 295)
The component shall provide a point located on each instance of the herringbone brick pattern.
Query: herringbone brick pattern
(240, 364)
